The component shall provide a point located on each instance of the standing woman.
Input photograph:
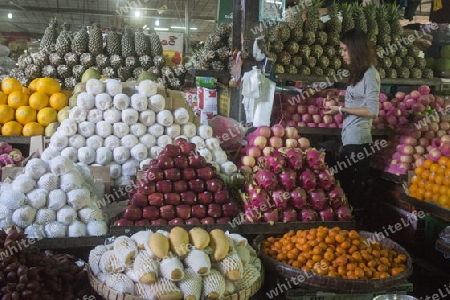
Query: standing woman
(361, 107)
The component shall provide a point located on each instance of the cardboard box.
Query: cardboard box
(177, 99)
(224, 101)
(37, 145)
(205, 116)
(102, 174)
(207, 99)
(10, 173)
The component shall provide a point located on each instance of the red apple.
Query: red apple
(205, 198)
(172, 198)
(165, 162)
(180, 162)
(197, 185)
(142, 222)
(172, 174)
(124, 222)
(230, 209)
(154, 174)
(132, 213)
(206, 173)
(199, 211)
(187, 148)
(207, 220)
(189, 198)
(139, 200)
(188, 174)
(150, 212)
(172, 150)
(214, 185)
(167, 212)
(222, 197)
(153, 163)
(214, 210)
(196, 161)
(192, 221)
(179, 141)
(223, 220)
(160, 221)
(180, 186)
(176, 221)
(156, 199)
(164, 186)
(184, 211)
(146, 187)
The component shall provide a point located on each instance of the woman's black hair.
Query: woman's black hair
(361, 53)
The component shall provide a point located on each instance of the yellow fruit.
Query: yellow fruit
(25, 115)
(17, 99)
(38, 100)
(3, 98)
(7, 114)
(32, 85)
(67, 93)
(46, 116)
(32, 129)
(12, 128)
(48, 86)
(26, 91)
(58, 101)
(10, 85)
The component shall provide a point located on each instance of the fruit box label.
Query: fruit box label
(207, 99)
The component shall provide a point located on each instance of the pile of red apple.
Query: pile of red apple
(179, 187)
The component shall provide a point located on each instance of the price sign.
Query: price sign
(225, 12)
(272, 10)
(172, 41)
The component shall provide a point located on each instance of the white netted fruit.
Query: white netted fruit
(96, 228)
(181, 115)
(71, 153)
(164, 140)
(90, 214)
(249, 277)
(111, 142)
(173, 130)
(138, 129)
(144, 164)
(59, 141)
(198, 261)
(68, 127)
(113, 87)
(76, 229)
(37, 198)
(35, 231)
(139, 152)
(103, 129)
(115, 170)
(94, 86)
(103, 156)
(85, 101)
(94, 142)
(45, 216)
(257, 264)
(121, 129)
(189, 129)
(141, 238)
(66, 215)
(228, 168)
(157, 103)
(230, 289)
(213, 284)
(55, 230)
(205, 131)
(198, 141)
(130, 116)
(147, 140)
(191, 285)
(77, 141)
(48, 181)
(86, 155)
(120, 283)
(112, 116)
(86, 129)
(216, 166)
(171, 268)
(61, 165)
(129, 141)
(129, 271)
(109, 263)
(78, 198)
(147, 117)
(154, 151)
(5, 212)
(231, 266)
(121, 101)
(24, 183)
(56, 199)
(147, 88)
(144, 291)
(166, 289)
(24, 216)
(129, 168)
(102, 277)
(94, 116)
(125, 249)
(139, 102)
(49, 153)
(70, 181)
(156, 130)
(123, 181)
(35, 168)
(206, 154)
(94, 258)
(164, 118)
(213, 144)
(220, 156)
(244, 254)
(77, 114)
(121, 154)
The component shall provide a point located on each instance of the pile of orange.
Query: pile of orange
(27, 111)
(336, 253)
(431, 182)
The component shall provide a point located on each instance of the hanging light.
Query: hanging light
(9, 15)
(157, 22)
(137, 13)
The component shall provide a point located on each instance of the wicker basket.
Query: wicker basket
(337, 285)
(110, 294)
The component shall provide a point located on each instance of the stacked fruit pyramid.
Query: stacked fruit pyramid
(311, 47)
(30, 111)
(67, 55)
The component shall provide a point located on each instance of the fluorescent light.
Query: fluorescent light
(274, 2)
(137, 13)
(161, 29)
(9, 15)
(157, 22)
(181, 27)
(145, 26)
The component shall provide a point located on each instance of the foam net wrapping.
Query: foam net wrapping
(120, 283)
(231, 263)
(198, 261)
(230, 289)
(251, 274)
(125, 249)
(164, 289)
(244, 254)
(191, 285)
(144, 291)
(171, 268)
(145, 265)
(141, 238)
(109, 263)
(213, 284)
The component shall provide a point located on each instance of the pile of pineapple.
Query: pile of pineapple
(311, 47)
(66, 55)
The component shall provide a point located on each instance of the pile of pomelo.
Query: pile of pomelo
(29, 110)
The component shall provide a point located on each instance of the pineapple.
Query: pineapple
(292, 47)
(403, 72)
(309, 38)
(304, 70)
(316, 50)
(223, 54)
(63, 41)
(382, 72)
(40, 59)
(71, 59)
(347, 17)
(372, 24)
(224, 30)
(317, 71)
(329, 51)
(64, 71)
(416, 73)
(397, 62)
(160, 62)
(284, 58)
(116, 61)
(296, 34)
(391, 73)
(272, 56)
(334, 25)
(155, 43)
(124, 73)
(394, 17)
(49, 71)
(323, 62)
(33, 71)
(311, 62)
(80, 40)
(335, 63)
(95, 44)
(78, 71)
(113, 42)
(295, 23)
(304, 51)
(329, 72)
(420, 63)
(408, 62)
(102, 60)
(109, 72)
(291, 69)
(146, 61)
(385, 62)
(333, 40)
(56, 59)
(217, 65)
(137, 71)
(49, 39)
(213, 42)
(127, 44)
(87, 60)
(278, 69)
(321, 38)
(359, 17)
(427, 73)
(131, 62)
(313, 16)
(413, 51)
(277, 46)
(297, 60)
(384, 28)
(70, 83)
(282, 32)
(402, 51)
(174, 83)
(141, 42)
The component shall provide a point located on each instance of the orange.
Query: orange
(439, 179)
(447, 172)
(12, 128)
(428, 195)
(46, 116)
(38, 100)
(58, 101)
(3, 98)
(32, 129)
(446, 180)
(425, 174)
(25, 115)
(6, 114)
(48, 86)
(419, 171)
(443, 190)
(10, 85)
(17, 99)
(444, 200)
(427, 163)
(436, 188)
(414, 179)
(434, 168)
(429, 185)
(443, 161)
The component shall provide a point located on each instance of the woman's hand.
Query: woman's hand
(333, 110)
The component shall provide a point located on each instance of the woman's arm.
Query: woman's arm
(360, 112)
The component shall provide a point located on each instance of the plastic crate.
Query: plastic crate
(299, 294)
(433, 227)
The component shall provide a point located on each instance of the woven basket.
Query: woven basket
(110, 294)
(337, 285)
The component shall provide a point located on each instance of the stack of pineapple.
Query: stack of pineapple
(216, 51)
(311, 47)
(66, 55)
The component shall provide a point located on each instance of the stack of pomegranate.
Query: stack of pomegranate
(179, 187)
(291, 183)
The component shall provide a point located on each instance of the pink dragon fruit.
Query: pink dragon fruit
(258, 197)
(309, 215)
(288, 179)
(326, 214)
(326, 179)
(336, 196)
(343, 213)
(317, 199)
(298, 198)
(252, 215)
(289, 214)
(307, 180)
(315, 158)
(276, 161)
(266, 179)
(271, 216)
(294, 158)
(281, 198)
